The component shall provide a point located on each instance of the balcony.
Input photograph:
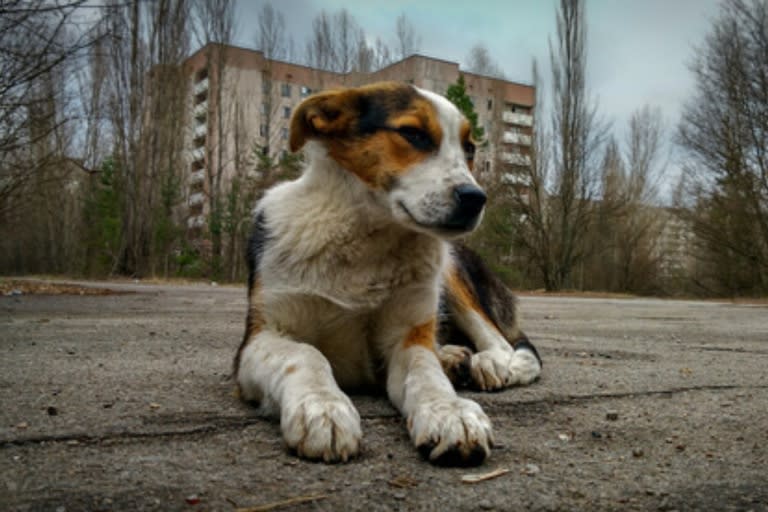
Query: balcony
(201, 86)
(197, 154)
(197, 177)
(516, 178)
(197, 221)
(516, 159)
(517, 118)
(201, 109)
(196, 198)
(201, 130)
(516, 138)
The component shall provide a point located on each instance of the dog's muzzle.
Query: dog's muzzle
(470, 201)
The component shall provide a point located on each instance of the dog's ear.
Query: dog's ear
(324, 114)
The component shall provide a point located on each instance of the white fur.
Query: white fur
(496, 364)
(345, 276)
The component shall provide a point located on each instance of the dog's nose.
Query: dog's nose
(469, 203)
(470, 198)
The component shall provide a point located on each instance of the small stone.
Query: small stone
(192, 499)
(399, 495)
(637, 452)
(596, 435)
(531, 470)
(22, 425)
(154, 405)
(73, 442)
(485, 505)
(612, 415)
(680, 447)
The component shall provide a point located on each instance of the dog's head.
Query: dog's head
(411, 146)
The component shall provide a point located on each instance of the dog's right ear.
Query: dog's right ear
(330, 113)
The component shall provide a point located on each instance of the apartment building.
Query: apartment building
(253, 98)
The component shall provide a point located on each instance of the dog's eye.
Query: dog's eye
(469, 150)
(416, 137)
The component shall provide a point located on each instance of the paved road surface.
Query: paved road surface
(124, 402)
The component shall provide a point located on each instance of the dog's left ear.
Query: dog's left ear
(324, 114)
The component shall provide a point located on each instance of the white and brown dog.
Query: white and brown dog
(353, 283)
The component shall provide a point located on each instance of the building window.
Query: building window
(305, 91)
(201, 75)
(285, 90)
(284, 133)
(487, 166)
(266, 86)
(286, 112)
(490, 104)
(264, 109)
(263, 130)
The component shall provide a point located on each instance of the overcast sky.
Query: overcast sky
(638, 50)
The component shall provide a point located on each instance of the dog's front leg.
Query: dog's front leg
(317, 419)
(446, 429)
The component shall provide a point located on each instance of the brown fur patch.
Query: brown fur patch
(422, 335)
(462, 297)
(465, 136)
(290, 369)
(360, 129)
(254, 320)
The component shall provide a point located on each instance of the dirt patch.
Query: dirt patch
(12, 287)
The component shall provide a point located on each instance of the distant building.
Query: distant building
(259, 95)
(674, 246)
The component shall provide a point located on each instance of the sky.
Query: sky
(637, 50)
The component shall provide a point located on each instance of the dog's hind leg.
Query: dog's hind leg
(317, 419)
(482, 310)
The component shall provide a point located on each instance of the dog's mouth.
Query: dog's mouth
(449, 229)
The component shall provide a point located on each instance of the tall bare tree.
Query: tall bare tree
(479, 61)
(628, 219)
(724, 133)
(215, 30)
(37, 39)
(407, 41)
(555, 203)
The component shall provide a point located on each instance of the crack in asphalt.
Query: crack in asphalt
(218, 423)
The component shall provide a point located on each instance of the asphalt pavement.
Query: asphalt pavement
(124, 401)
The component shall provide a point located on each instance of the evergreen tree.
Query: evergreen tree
(457, 94)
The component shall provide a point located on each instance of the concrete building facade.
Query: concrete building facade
(242, 101)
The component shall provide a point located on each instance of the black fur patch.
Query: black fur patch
(255, 248)
(375, 107)
(253, 252)
(495, 299)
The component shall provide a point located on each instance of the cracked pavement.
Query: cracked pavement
(125, 402)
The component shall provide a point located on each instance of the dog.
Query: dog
(355, 274)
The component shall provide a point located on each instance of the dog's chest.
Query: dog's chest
(355, 268)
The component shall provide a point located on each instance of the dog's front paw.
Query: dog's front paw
(322, 425)
(501, 368)
(451, 432)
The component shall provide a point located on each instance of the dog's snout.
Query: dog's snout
(470, 198)
(469, 203)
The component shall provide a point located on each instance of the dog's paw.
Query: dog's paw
(456, 361)
(451, 432)
(500, 368)
(322, 425)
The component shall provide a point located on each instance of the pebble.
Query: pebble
(531, 469)
(399, 495)
(638, 452)
(485, 505)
